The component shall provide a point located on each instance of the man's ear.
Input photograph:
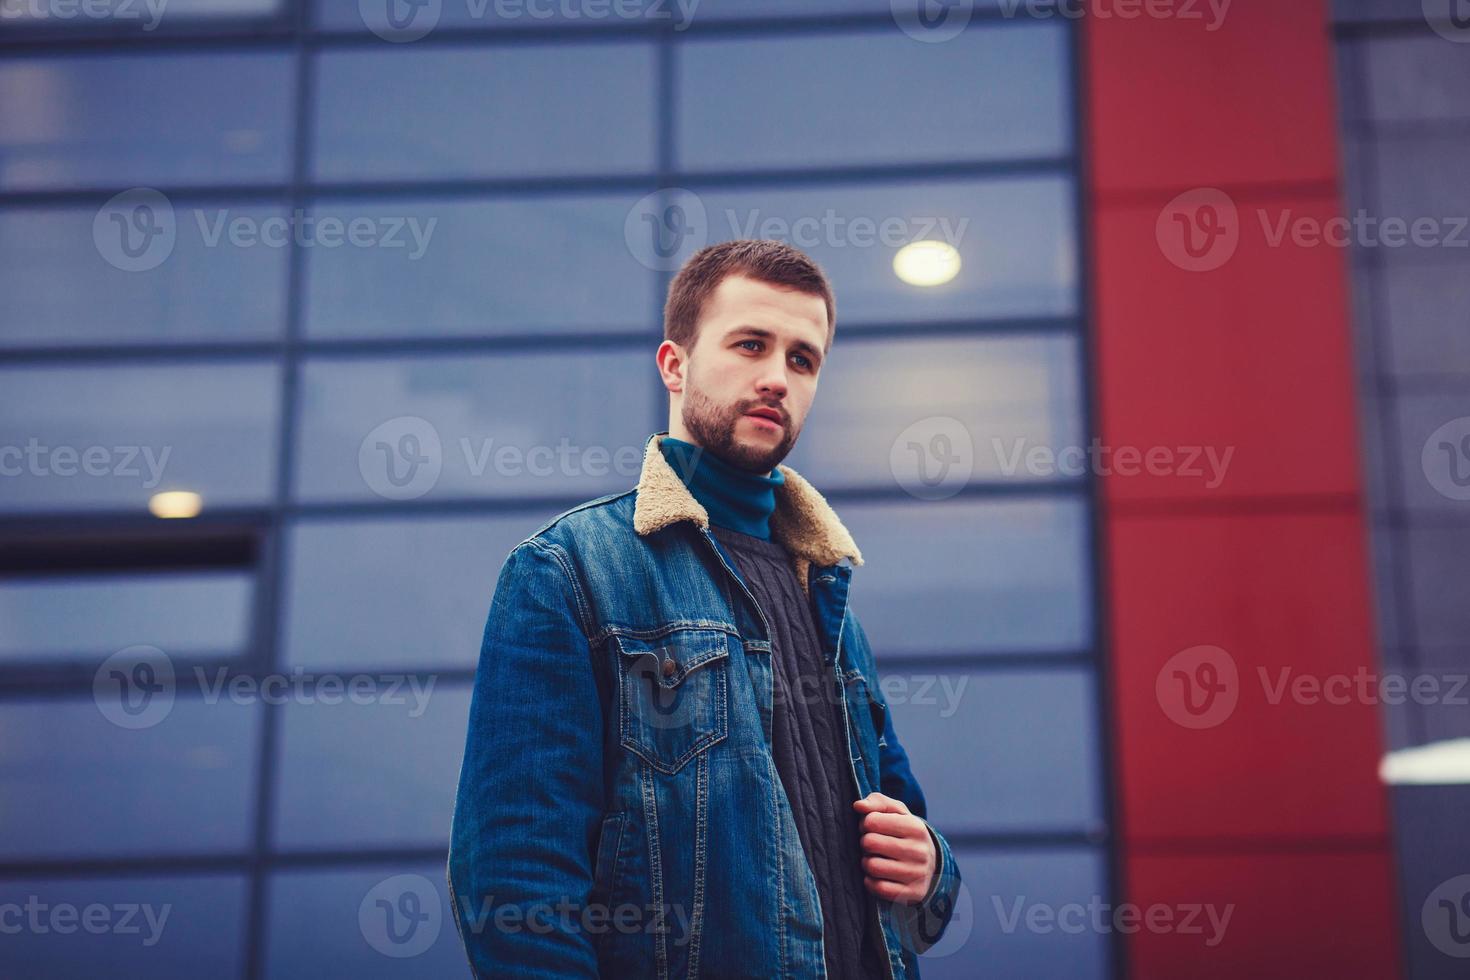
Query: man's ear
(671, 360)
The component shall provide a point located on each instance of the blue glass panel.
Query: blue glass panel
(176, 928)
(88, 617)
(182, 782)
(1013, 238)
(114, 436)
(111, 275)
(1433, 441)
(1416, 78)
(1421, 178)
(1014, 775)
(114, 120)
(1428, 321)
(1010, 918)
(426, 608)
(529, 425)
(378, 767)
(954, 410)
(971, 576)
(550, 265)
(872, 98)
(444, 113)
(353, 924)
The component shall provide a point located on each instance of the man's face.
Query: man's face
(759, 347)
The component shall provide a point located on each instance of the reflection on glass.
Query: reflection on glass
(182, 782)
(965, 576)
(537, 111)
(872, 97)
(1034, 780)
(1014, 237)
(149, 118)
(88, 617)
(66, 275)
(158, 927)
(114, 436)
(333, 922)
(391, 595)
(480, 267)
(509, 425)
(1000, 408)
(378, 768)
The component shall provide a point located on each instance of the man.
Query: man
(679, 760)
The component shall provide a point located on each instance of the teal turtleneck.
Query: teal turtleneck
(735, 498)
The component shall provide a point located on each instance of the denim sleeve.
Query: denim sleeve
(921, 925)
(530, 796)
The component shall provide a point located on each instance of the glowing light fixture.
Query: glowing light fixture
(1436, 764)
(927, 263)
(175, 503)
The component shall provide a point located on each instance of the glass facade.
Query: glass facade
(348, 285)
(1401, 87)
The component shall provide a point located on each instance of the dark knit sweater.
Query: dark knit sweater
(809, 747)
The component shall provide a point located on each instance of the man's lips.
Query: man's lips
(766, 415)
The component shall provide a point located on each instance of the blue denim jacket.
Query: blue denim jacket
(618, 811)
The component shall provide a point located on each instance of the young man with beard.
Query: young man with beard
(679, 760)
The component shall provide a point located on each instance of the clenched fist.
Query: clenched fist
(898, 854)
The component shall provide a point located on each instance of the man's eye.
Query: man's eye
(750, 341)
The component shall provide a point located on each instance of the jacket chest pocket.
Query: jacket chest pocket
(673, 694)
(868, 718)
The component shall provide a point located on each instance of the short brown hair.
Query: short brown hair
(763, 260)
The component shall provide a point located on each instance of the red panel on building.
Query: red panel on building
(1262, 722)
(1284, 916)
(1208, 333)
(1242, 375)
(1183, 105)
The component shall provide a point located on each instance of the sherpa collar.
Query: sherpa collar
(803, 522)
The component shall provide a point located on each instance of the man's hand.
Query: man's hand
(898, 853)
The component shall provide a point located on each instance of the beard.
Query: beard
(713, 428)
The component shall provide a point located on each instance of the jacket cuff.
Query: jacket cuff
(922, 924)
